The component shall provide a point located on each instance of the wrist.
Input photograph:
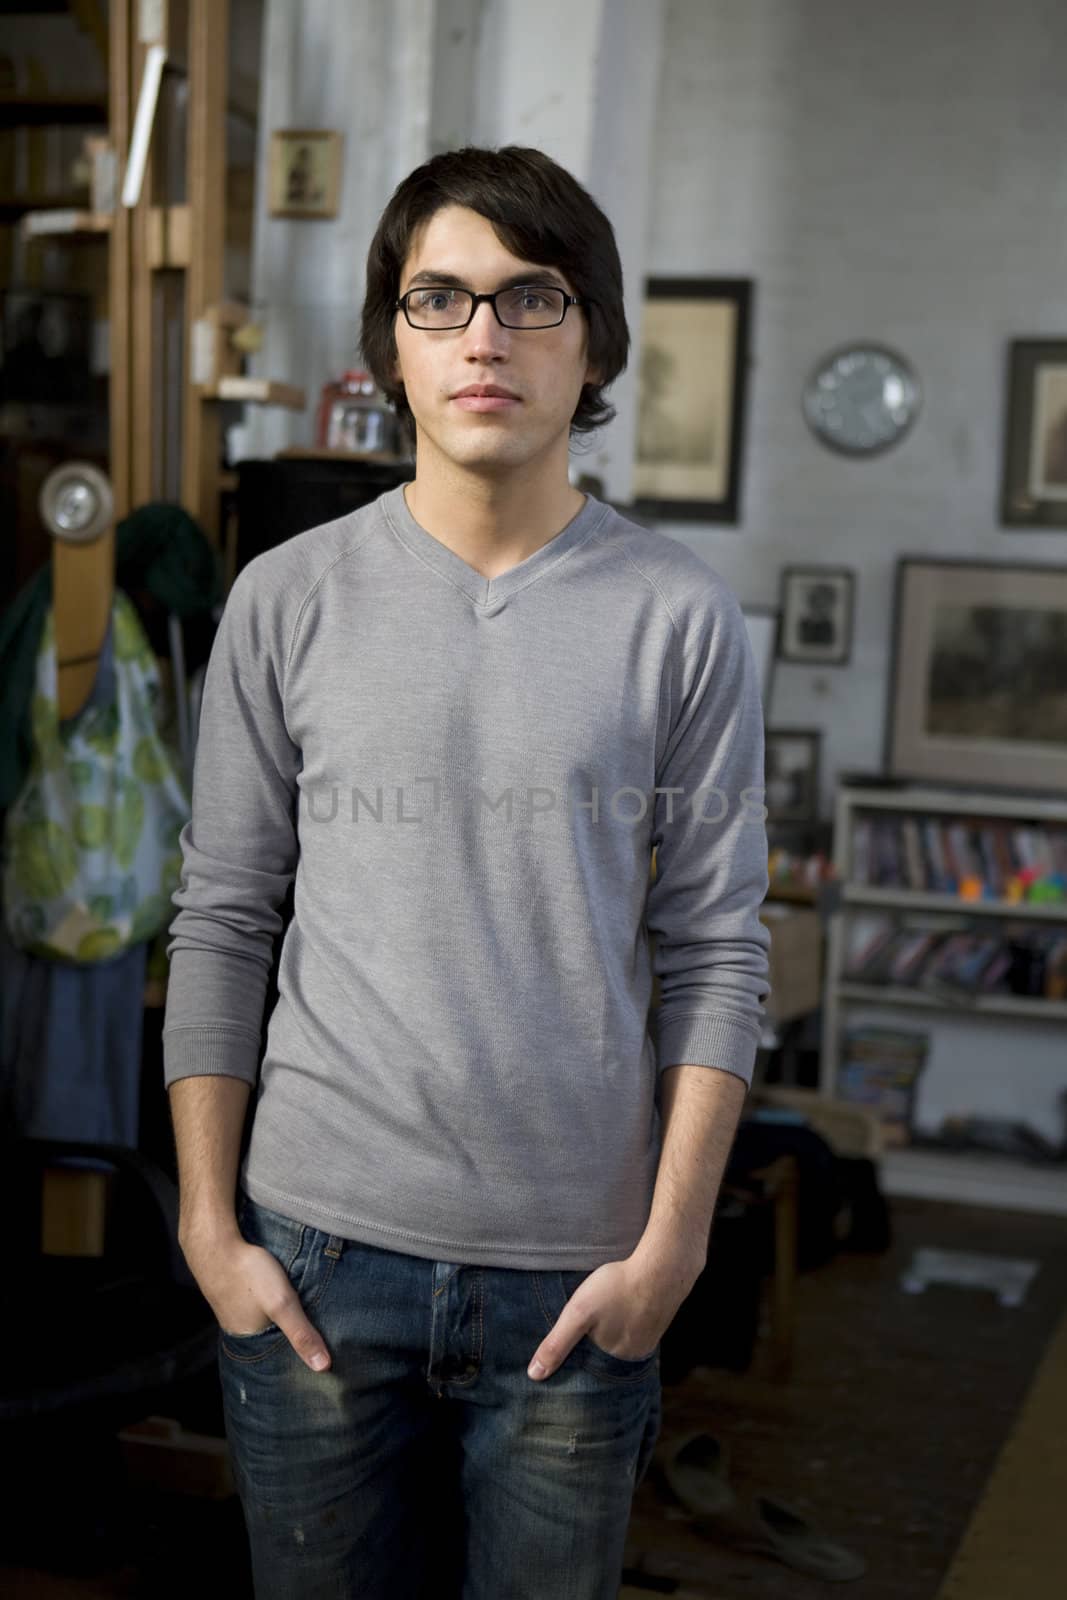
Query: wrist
(673, 1267)
(207, 1229)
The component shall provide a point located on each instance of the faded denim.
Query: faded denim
(425, 1461)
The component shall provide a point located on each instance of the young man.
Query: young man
(481, 1169)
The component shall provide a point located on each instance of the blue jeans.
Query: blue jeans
(425, 1456)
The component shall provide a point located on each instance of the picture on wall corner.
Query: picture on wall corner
(691, 398)
(1034, 488)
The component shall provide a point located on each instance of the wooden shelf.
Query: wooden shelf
(986, 1005)
(987, 803)
(39, 111)
(923, 900)
(298, 452)
(258, 391)
(66, 224)
(15, 207)
(792, 896)
(973, 1177)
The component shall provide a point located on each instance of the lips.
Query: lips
(485, 390)
(485, 397)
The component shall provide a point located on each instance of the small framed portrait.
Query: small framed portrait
(691, 398)
(817, 605)
(1034, 490)
(305, 172)
(791, 774)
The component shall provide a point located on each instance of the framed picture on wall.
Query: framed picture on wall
(791, 774)
(1034, 490)
(979, 668)
(305, 172)
(817, 605)
(691, 398)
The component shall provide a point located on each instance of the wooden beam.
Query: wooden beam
(206, 191)
(119, 401)
(145, 466)
(169, 232)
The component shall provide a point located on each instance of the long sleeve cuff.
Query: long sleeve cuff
(211, 1051)
(702, 1038)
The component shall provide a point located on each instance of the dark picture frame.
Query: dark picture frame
(791, 774)
(817, 610)
(1034, 482)
(976, 679)
(692, 389)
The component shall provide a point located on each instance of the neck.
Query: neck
(492, 521)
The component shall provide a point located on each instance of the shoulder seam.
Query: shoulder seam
(646, 576)
(341, 556)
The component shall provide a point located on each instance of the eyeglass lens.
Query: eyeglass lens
(524, 307)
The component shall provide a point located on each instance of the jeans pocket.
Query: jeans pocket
(592, 1357)
(306, 1254)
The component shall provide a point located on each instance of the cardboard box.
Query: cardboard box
(796, 959)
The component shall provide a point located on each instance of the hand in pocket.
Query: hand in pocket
(247, 1289)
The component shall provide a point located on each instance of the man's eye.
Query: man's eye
(532, 301)
(435, 299)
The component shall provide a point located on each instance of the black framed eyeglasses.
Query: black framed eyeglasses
(434, 306)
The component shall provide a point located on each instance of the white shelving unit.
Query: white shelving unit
(972, 1177)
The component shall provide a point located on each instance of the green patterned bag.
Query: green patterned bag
(91, 853)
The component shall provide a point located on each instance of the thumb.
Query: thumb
(304, 1337)
(557, 1345)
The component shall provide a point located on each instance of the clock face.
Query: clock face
(861, 399)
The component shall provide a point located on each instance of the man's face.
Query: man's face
(544, 368)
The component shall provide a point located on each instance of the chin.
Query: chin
(490, 452)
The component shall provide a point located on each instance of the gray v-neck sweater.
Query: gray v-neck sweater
(467, 777)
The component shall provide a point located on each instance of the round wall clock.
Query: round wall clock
(861, 399)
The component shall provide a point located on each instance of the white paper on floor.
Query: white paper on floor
(1007, 1276)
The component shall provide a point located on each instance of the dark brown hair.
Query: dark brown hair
(539, 212)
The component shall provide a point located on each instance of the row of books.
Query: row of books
(879, 1070)
(950, 961)
(939, 854)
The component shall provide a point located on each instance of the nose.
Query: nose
(484, 335)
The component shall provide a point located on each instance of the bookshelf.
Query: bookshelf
(950, 907)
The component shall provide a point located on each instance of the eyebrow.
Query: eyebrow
(532, 275)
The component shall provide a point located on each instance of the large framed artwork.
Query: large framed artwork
(978, 687)
(691, 398)
(1034, 490)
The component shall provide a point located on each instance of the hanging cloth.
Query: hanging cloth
(91, 851)
(160, 550)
